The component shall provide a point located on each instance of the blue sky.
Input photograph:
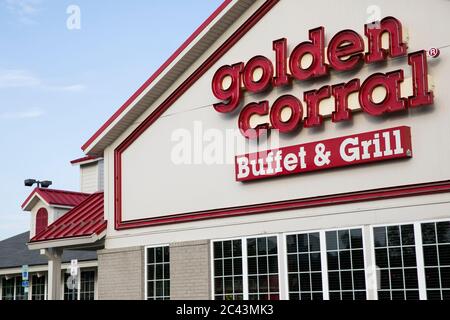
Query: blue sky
(57, 86)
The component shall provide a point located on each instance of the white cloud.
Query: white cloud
(25, 114)
(17, 79)
(25, 79)
(69, 88)
(25, 10)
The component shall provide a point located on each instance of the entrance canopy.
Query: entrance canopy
(83, 225)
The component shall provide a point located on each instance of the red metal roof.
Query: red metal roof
(84, 159)
(57, 197)
(86, 219)
(203, 26)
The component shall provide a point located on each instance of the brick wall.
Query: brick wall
(121, 274)
(190, 270)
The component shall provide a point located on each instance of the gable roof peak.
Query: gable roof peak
(53, 198)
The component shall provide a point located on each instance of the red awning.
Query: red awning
(84, 220)
(57, 197)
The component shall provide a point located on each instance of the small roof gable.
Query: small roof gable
(52, 197)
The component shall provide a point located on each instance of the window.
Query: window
(436, 252)
(395, 257)
(20, 290)
(84, 288)
(158, 273)
(8, 289)
(262, 264)
(70, 290)
(41, 220)
(38, 287)
(345, 258)
(411, 260)
(246, 269)
(13, 290)
(87, 285)
(304, 266)
(228, 278)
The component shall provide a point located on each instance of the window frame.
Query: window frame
(244, 265)
(280, 260)
(94, 280)
(323, 255)
(18, 277)
(368, 252)
(4, 278)
(419, 250)
(18, 283)
(45, 275)
(146, 265)
(63, 286)
(422, 269)
(78, 288)
(418, 245)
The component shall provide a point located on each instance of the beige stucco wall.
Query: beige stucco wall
(180, 189)
(149, 157)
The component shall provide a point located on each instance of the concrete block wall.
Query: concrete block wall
(190, 270)
(121, 274)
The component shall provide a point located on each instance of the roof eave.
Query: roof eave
(14, 270)
(85, 160)
(67, 242)
(28, 204)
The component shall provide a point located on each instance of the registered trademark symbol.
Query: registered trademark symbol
(434, 52)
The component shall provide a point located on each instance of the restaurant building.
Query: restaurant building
(287, 150)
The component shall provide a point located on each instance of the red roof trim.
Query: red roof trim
(28, 198)
(157, 73)
(84, 159)
(63, 197)
(296, 204)
(85, 220)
